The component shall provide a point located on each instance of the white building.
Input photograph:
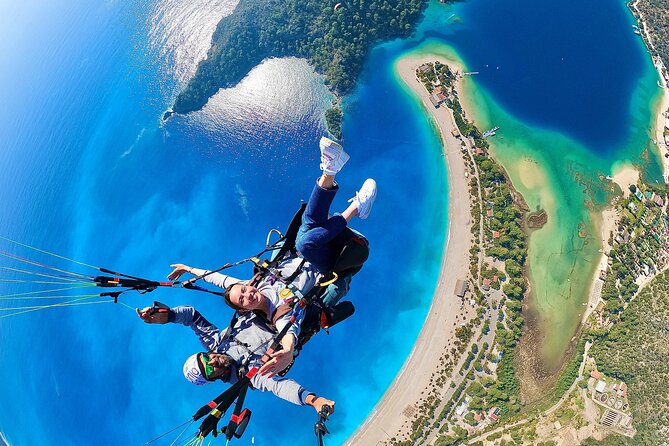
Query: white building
(601, 385)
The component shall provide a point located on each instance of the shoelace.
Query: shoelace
(356, 199)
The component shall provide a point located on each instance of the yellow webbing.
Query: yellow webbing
(257, 261)
(329, 282)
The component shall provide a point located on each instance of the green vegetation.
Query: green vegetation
(638, 245)
(499, 232)
(656, 16)
(333, 118)
(334, 42)
(635, 350)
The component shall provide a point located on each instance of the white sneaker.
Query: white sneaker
(365, 197)
(333, 156)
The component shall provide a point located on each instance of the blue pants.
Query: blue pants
(318, 229)
(322, 238)
(316, 241)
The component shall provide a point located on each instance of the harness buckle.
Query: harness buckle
(260, 263)
(286, 294)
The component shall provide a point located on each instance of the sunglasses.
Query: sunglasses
(205, 367)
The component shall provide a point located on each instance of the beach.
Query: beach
(389, 417)
(608, 221)
(659, 130)
(663, 104)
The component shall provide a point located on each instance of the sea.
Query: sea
(89, 171)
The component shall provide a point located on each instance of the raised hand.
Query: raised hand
(178, 271)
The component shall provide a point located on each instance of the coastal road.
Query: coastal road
(457, 379)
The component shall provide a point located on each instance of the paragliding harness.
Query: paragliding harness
(354, 250)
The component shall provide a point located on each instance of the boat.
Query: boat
(491, 132)
(636, 29)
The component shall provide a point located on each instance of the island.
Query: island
(333, 37)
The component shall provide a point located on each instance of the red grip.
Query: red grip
(239, 418)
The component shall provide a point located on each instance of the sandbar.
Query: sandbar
(388, 418)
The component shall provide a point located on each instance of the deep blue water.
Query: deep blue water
(570, 66)
(86, 170)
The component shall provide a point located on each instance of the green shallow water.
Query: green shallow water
(568, 181)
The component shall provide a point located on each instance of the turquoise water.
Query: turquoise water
(88, 171)
(569, 66)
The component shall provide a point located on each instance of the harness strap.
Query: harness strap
(280, 312)
(298, 270)
(225, 399)
(235, 419)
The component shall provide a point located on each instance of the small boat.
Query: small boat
(491, 132)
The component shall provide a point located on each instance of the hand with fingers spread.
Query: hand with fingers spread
(279, 360)
(151, 315)
(178, 271)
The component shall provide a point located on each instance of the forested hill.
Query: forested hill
(635, 350)
(334, 40)
(656, 15)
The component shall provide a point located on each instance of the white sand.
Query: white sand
(625, 176)
(387, 418)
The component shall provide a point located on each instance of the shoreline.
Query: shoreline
(663, 105)
(387, 420)
(608, 222)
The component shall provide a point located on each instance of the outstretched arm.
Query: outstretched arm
(280, 359)
(208, 333)
(291, 391)
(217, 279)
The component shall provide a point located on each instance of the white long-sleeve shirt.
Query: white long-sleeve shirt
(245, 343)
(270, 287)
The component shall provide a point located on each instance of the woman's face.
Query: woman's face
(245, 297)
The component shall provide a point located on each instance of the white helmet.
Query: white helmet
(192, 371)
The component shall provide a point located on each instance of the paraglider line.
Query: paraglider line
(182, 432)
(72, 303)
(48, 253)
(171, 430)
(50, 276)
(34, 263)
(33, 294)
(43, 282)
